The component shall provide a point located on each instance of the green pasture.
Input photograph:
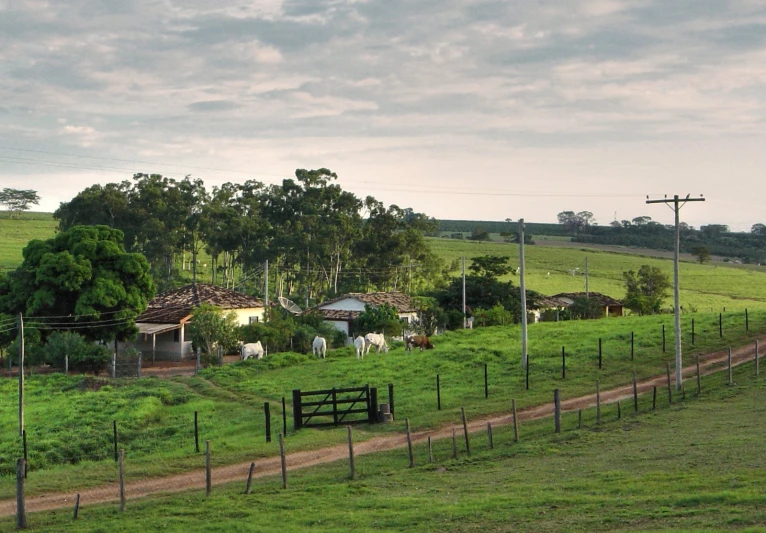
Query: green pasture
(692, 466)
(15, 233)
(69, 419)
(704, 287)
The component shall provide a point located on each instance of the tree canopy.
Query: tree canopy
(645, 290)
(319, 239)
(18, 200)
(81, 277)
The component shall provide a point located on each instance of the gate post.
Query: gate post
(372, 404)
(297, 412)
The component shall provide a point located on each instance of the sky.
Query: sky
(462, 109)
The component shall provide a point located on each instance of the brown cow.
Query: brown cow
(418, 341)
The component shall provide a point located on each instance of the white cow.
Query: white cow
(377, 340)
(253, 349)
(359, 346)
(319, 347)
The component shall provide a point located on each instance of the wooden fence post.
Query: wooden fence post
(249, 478)
(598, 403)
(297, 410)
(654, 397)
(490, 443)
(282, 460)
(692, 332)
(438, 394)
(729, 360)
(454, 445)
(757, 369)
(527, 373)
(635, 393)
(670, 394)
(21, 512)
(76, 509)
(747, 322)
(663, 338)
(579, 419)
(208, 480)
(350, 453)
(409, 442)
(391, 399)
(196, 433)
(556, 411)
(619, 410)
(122, 480)
(563, 363)
(198, 364)
(138, 370)
(430, 452)
(114, 426)
(515, 422)
(267, 414)
(465, 431)
(699, 384)
(720, 325)
(284, 417)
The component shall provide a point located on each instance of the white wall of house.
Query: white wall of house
(170, 346)
(340, 325)
(248, 315)
(346, 304)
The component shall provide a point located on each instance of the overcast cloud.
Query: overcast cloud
(461, 109)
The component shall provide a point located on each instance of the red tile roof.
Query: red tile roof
(177, 306)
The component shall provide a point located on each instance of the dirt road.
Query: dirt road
(271, 466)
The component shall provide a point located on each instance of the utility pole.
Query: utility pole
(677, 204)
(587, 289)
(266, 291)
(464, 318)
(523, 296)
(21, 375)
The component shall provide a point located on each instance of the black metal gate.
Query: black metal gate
(344, 406)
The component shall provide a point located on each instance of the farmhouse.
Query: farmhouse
(162, 327)
(609, 305)
(341, 311)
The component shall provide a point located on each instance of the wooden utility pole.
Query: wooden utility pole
(21, 375)
(677, 204)
(523, 296)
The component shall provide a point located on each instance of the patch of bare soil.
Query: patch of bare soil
(271, 466)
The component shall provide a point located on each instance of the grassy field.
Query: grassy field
(17, 232)
(690, 467)
(705, 287)
(69, 422)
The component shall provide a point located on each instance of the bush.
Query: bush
(93, 359)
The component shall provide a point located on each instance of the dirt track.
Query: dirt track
(271, 465)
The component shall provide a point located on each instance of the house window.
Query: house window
(253, 320)
(176, 335)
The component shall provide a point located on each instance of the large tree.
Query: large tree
(646, 290)
(82, 278)
(18, 200)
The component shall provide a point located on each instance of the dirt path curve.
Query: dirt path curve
(271, 466)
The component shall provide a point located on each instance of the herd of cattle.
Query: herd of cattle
(362, 345)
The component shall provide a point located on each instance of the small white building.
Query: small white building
(162, 327)
(341, 311)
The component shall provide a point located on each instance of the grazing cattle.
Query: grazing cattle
(418, 341)
(253, 349)
(319, 347)
(469, 322)
(359, 345)
(377, 340)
